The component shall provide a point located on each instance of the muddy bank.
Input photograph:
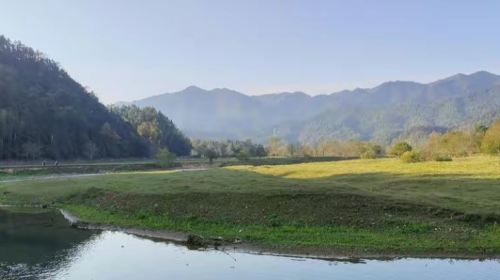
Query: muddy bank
(194, 241)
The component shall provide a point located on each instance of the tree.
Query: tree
(400, 148)
(110, 140)
(369, 150)
(90, 150)
(242, 156)
(411, 157)
(292, 149)
(276, 147)
(165, 158)
(451, 144)
(491, 140)
(481, 129)
(259, 151)
(211, 154)
(32, 150)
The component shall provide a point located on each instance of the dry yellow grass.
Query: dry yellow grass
(478, 166)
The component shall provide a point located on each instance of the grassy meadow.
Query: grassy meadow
(359, 207)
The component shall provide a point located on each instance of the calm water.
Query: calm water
(43, 246)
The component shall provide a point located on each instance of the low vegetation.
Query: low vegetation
(369, 206)
(411, 157)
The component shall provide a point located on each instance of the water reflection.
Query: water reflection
(34, 250)
(34, 244)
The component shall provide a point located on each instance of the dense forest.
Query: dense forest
(44, 113)
(155, 128)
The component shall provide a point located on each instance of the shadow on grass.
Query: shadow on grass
(374, 199)
(367, 200)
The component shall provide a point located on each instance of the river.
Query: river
(43, 246)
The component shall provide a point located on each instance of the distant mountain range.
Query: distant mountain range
(383, 113)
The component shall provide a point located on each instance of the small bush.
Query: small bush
(370, 154)
(242, 156)
(442, 158)
(411, 156)
(165, 158)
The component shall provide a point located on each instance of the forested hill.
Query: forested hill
(383, 113)
(155, 128)
(45, 113)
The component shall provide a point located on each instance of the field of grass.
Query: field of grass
(361, 207)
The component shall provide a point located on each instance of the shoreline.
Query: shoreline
(182, 238)
(351, 209)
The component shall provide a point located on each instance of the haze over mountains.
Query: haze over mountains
(383, 113)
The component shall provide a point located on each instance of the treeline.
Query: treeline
(325, 148)
(445, 146)
(44, 113)
(439, 146)
(213, 149)
(276, 147)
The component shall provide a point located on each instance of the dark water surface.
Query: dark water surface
(43, 246)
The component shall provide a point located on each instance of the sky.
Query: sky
(126, 50)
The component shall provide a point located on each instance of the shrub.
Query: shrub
(453, 143)
(491, 141)
(242, 156)
(411, 156)
(165, 158)
(442, 158)
(400, 148)
(369, 154)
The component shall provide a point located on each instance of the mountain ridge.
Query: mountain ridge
(190, 88)
(226, 113)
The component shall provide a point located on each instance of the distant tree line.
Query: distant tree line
(276, 147)
(213, 149)
(456, 143)
(439, 146)
(325, 148)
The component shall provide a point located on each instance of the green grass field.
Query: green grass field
(358, 207)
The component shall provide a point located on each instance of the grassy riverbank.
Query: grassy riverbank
(357, 207)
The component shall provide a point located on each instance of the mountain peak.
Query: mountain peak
(193, 88)
(484, 74)
(296, 93)
(226, 91)
(474, 80)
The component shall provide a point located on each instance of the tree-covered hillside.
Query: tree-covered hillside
(155, 128)
(382, 113)
(45, 113)
(403, 120)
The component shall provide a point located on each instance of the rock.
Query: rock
(236, 241)
(195, 241)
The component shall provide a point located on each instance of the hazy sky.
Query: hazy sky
(126, 50)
